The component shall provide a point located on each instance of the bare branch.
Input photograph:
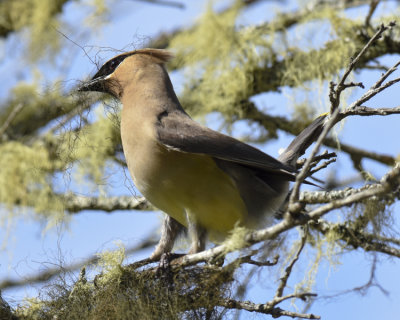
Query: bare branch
(357, 238)
(385, 76)
(266, 309)
(336, 92)
(324, 165)
(167, 3)
(373, 92)
(367, 111)
(389, 183)
(293, 207)
(334, 96)
(303, 296)
(288, 269)
(249, 260)
(356, 107)
(10, 118)
(315, 197)
(372, 8)
(75, 203)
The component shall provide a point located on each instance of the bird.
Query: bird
(206, 182)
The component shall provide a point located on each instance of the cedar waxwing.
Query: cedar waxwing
(204, 180)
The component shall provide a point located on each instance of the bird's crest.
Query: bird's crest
(163, 55)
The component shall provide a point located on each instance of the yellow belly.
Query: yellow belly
(181, 183)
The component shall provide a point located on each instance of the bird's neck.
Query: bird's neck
(151, 96)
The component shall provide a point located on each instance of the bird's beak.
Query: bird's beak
(95, 84)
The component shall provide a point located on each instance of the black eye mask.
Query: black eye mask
(110, 66)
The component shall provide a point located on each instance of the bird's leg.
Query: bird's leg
(197, 235)
(169, 232)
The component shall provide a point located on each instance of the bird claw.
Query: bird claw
(165, 261)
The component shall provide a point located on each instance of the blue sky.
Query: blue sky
(29, 250)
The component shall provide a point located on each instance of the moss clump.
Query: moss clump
(39, 22)
(28, 181)
(89, 147)
(220, 61)
(25, 179)
(176, 293)
(37, 108)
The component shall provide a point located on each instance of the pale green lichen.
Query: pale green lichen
(37, 16)
(90, 148)
(25, 180)
(30, 309)
(126, 293)
(227, 64)
(110, 264)
(226, 58)
(41, 23)
(236, 239)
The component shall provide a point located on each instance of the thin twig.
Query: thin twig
(249, 260)
(323, 156)
(10, 118)
(385, 75)
(388, 184)
(173, 4)
(335, 97)
(373, 92)
(303, 296)
(52, 272)
(304, 171)
(357, 238)
(75, 203)
(324, 165)
(316, 197)
(288, 270)
(265, 309)
(68, 117)
(372, 8)
(367, 111)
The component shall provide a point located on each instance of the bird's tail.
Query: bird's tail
(300, 144)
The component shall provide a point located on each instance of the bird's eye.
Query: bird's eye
(112, 64)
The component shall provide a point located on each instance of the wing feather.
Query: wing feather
(178, 131)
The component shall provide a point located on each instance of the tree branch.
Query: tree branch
(294, 196)
(76, 203)
(173, 4)
(315, 197)
(265, 309)
(356, 238)
(389, 183)
(288, 269)
(367, 111)
(294, 127)
(14, 112)
(336, 92)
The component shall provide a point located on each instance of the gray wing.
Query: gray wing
(178, 131)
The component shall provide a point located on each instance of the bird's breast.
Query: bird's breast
(182, 183)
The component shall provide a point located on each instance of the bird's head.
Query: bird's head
(125, 69)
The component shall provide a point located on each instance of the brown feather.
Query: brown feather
(160, 54)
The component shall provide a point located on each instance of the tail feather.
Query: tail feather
(300, 144)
